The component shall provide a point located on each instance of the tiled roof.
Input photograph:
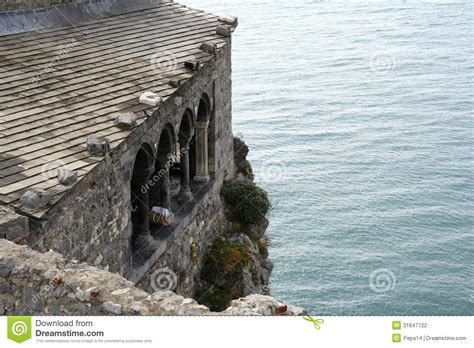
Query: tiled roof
(60, 85)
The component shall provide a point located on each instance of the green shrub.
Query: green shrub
(223, 259)
(222, 272)
(248, 203)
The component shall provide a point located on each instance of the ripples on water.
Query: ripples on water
(359, 119)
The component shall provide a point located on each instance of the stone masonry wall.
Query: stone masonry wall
(184, 255)
(92, 223)
(32, 283)
(14, 5)
(10, 5)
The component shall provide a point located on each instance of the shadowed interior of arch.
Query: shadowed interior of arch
(179, 178)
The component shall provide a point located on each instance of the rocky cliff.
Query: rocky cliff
(237, 263)
(34, 283)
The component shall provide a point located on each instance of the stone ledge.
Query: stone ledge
(33, 283)
(212, 187)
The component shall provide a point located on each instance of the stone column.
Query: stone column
(140, 212)
(202, 166)
(165, 187)
(143, 216)
(185, 192)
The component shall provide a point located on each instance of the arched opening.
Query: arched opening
(203, 109)
(160, 190)
(192, 156)
(203, 141)
(186, 158)
(211, 139)
(139, 197)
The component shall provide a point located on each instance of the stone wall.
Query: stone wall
(32, 283)
(12, 225)
(184, 254)
(92, 222)
(20, 5)
(17, 16)
(10, 5)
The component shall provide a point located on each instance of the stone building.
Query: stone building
(107, 109)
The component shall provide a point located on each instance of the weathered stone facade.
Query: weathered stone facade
(93, 222)
(12, 225)
(13, 5)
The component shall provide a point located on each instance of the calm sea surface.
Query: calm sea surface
(359, 116)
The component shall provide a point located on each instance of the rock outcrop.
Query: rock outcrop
(35, 283)
(244, 168)
(256, 276)
(237, 262)
(261, 305)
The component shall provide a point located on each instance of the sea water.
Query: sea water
(359, 117)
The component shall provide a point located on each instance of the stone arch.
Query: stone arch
(186, 127)
(212, 138)
(204, 108)
(205, 140)
(187, 152)
(142, 168)
(165, 157)
(166, 145)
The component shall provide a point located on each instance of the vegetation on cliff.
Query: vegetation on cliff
(222, 273)
(247, 202)
(236, 263)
